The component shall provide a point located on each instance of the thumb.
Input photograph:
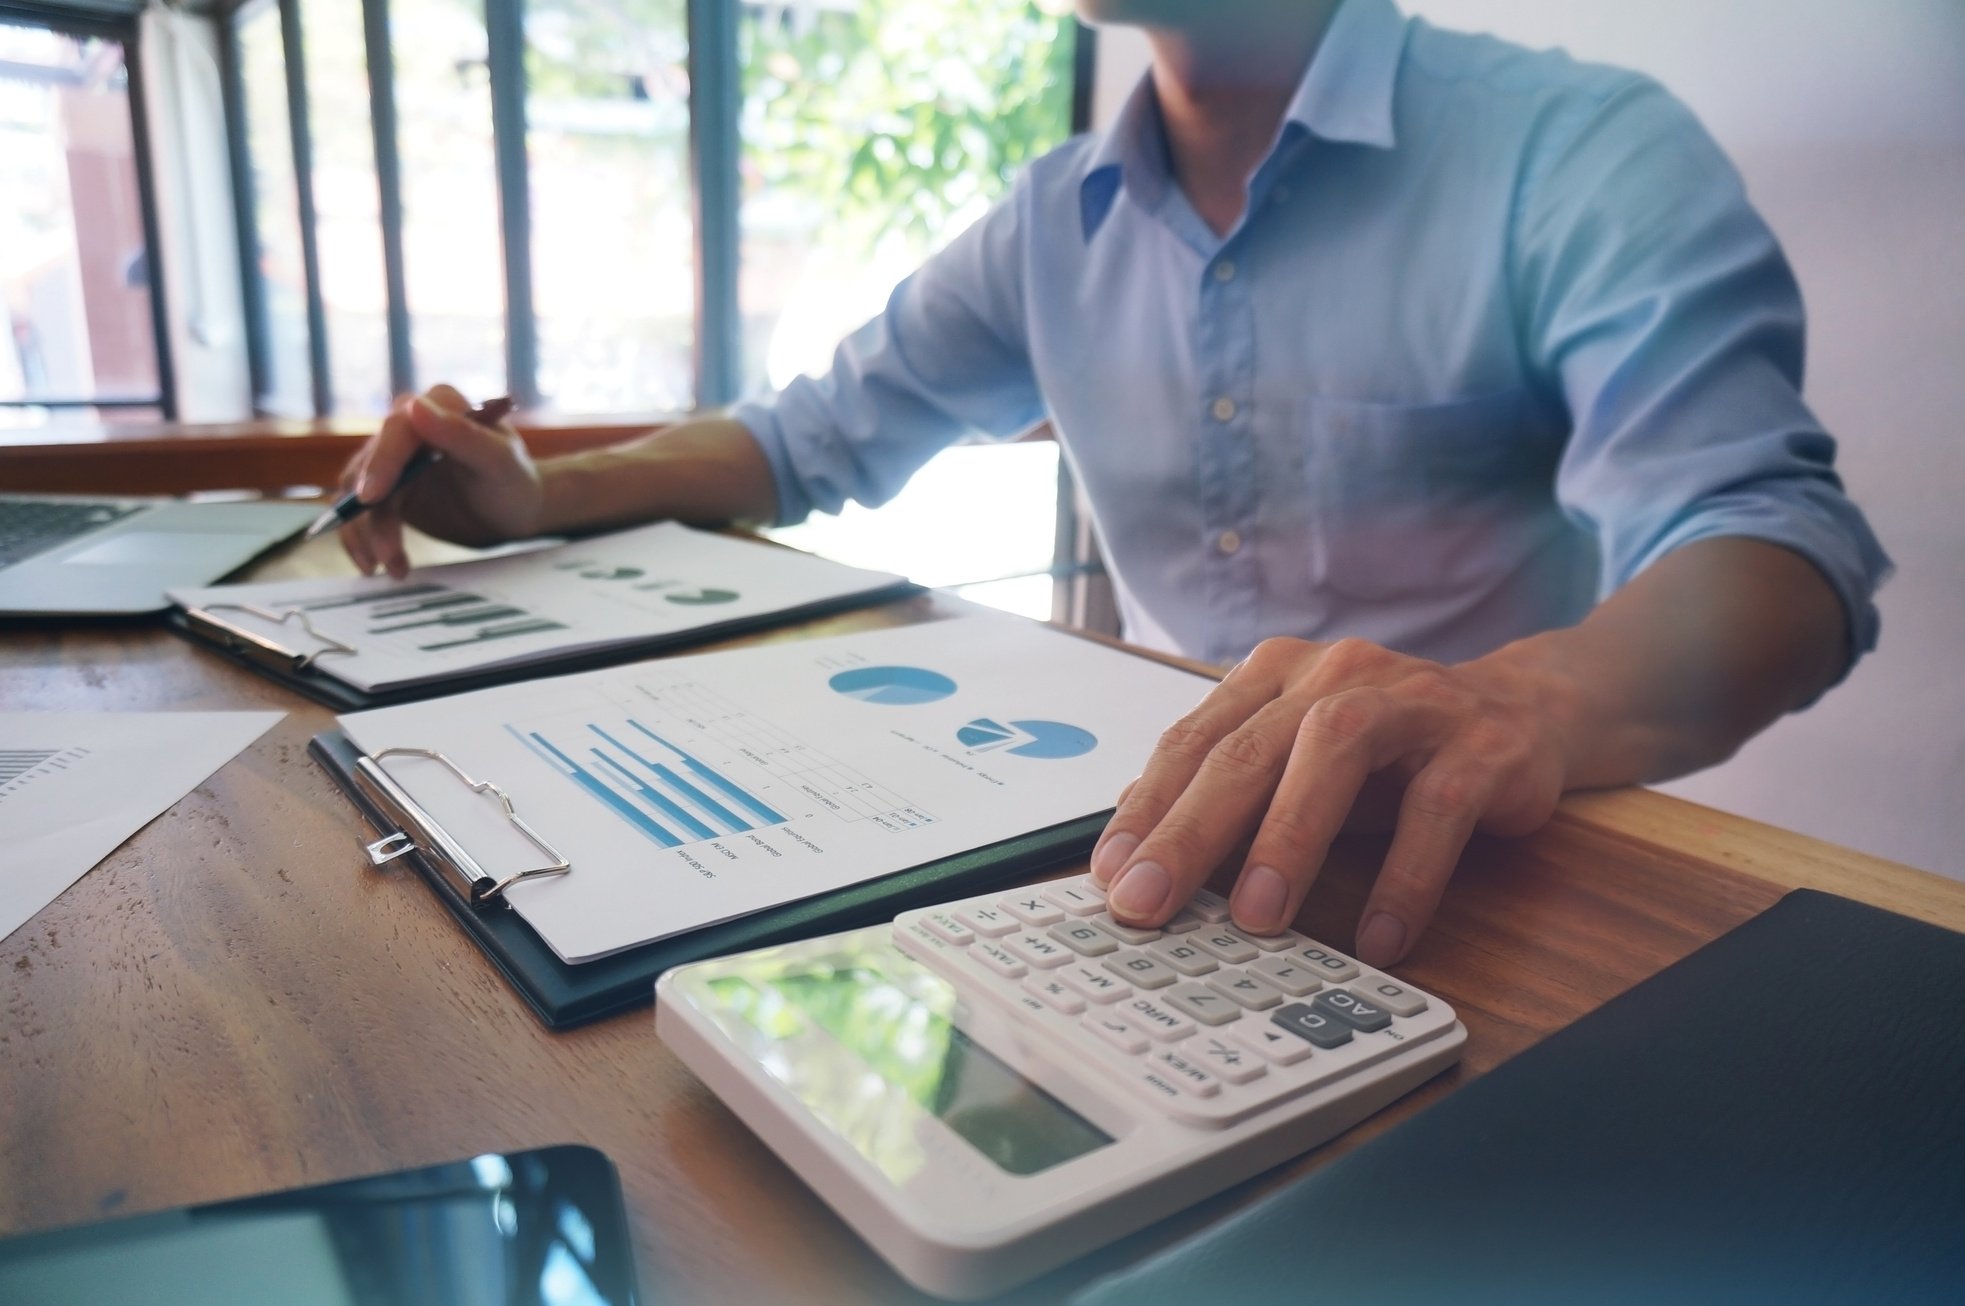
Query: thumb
(442, 420)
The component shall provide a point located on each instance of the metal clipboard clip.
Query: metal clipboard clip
(258, 646)
(418, 832)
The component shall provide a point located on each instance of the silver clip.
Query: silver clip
(481, 886)
(301, 661)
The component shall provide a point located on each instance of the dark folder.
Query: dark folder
(565, 995)
(1778, 1118)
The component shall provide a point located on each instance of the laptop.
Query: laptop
(104, 555)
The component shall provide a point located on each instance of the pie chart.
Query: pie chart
(700, 597)
(893, 686)
(1052, 740)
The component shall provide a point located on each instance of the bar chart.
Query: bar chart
(17, 762)
(430, 618)
(686, 765)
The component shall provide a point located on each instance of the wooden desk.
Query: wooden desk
(231, 1002)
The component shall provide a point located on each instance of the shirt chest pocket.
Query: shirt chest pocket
(1408, 500)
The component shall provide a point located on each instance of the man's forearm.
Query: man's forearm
(1685, 663)
(704, 470)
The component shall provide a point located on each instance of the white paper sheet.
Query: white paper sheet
(692, 790)
(468, 616)
(74, 785)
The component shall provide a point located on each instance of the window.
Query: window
(76, 305)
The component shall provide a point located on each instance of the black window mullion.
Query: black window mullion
(252, 291)
(146, 190)
(303, 176)
(504, 22)
(389, 188)
(713, 159)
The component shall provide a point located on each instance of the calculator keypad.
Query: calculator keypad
(1210, 1023)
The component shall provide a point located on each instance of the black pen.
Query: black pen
(350, 506)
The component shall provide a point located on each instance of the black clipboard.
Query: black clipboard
(298, 672)
(565, 995)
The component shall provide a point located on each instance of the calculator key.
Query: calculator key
(1395, 998)
(1352, 1010)
(990, 922)
(1287, 975)
(1031, 908)
(1125, 933)
(1326, 965)
(1084, 938)
(1116, 1032)
(1320, 1029)
(996, 961)
(1140, 969)
(1041, 952)
(1076, 898)
(1183, 956)
(1204, 1004)
(1095, 984)
(1161, 1024)
(1247, 990)
(1228, 1059)
(1229, 945)
(1271, 1044)
(1183, 921)
(948, 929)
(1210, 908)
(1190, 1075)
(1052, 993)
(1274, 942)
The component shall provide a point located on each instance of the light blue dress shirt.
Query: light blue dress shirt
(1497, 331)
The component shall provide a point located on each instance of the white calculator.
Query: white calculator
(987, 1089)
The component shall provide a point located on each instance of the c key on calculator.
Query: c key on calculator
(989, 1087)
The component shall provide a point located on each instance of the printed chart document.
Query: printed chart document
(377, 634)
(696, 789)
(73, 785)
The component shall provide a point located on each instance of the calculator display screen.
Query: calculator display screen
(908, 1041)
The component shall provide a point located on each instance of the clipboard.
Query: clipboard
(302, 673)
(564, 995)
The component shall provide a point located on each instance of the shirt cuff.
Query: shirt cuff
(760, 418)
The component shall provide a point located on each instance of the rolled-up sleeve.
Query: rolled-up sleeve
(946, 358)
(1660, 307)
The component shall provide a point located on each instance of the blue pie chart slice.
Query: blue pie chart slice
(893, 686)
(1053, 740)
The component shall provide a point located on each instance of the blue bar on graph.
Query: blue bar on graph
(632, 814)
(676, 813)
(706, 773)
(737, 823)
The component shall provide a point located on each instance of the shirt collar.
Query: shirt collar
(1345, 96)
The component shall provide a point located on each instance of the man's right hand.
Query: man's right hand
(485, 490)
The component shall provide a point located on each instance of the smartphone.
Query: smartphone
(544, 1226)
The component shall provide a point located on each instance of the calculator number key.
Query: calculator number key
(1183, 956)
(1084, 938)
(1138, 968)
(1395, 998)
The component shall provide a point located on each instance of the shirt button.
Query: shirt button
(1224, 270)
(1224, 409)
(1229, 541)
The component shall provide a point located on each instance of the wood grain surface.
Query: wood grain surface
(232, 1002)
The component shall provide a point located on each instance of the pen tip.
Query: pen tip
(322, 524)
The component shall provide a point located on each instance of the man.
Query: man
(1382, 354)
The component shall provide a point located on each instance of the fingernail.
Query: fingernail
(1111, 855)
(369, 488)
(1259, 901)
(1381, 940)
(1141, 891)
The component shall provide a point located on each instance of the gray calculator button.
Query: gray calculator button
(1138, 968)
(1183, 921)
(1211, 908)
(1161, 1024)
(1095, 984)
(1288, 975)
(1084, 938)
(1274, 942)
(1352, 1010)
(1077, 899)
(1031, 908)
(1246, 989)
(1312, 1026)
(1271, 1044)
(1229, 945)
(1183, 956)
(1395, 998)
(1229, 1060)
(990, 922)
(1125, 933)
(1039, 951)
(1326, 965)
(1204, 1004)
